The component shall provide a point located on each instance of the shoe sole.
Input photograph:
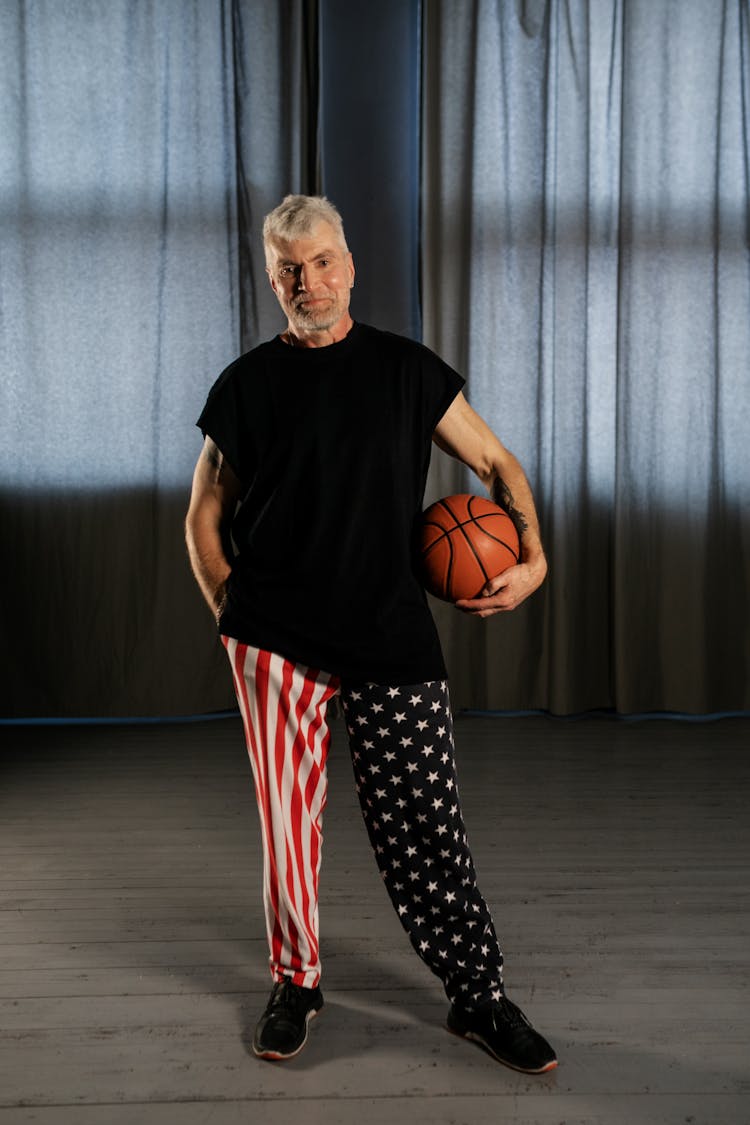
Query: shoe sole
(474, 1038)
(277, 1056)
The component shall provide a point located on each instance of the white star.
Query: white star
(450, 896)
(376, 708)
(413, 875)
(432, 777)
(424, 945)
(416, 792)
(431, 887)
(427, 751)
(393, 692)
(437, 803)
(449, 783)
(387, 816)
(405, 742)
(395, 863)
(383, 732)
(389, 755)
(441, 732)
(398, 886)
(484, 950)
(419, 920)
(422, 724)
(497, 995)
(401, 911)
(412, 766)
(362, 720)
(374, 769)
(400, 717)
(421, 818)
(367, 746)
(411, 851)
(415, 699)
(392, 840)
(395, 780)
(456, 939)
(442, 953)
(356, 695)
(435, 707)
(441, 829)
(380, 793)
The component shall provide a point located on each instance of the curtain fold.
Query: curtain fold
(130, 177)
(586, 265)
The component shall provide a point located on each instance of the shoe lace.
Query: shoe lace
(287, 996)
(511, 1016)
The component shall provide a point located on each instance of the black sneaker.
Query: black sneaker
(503, 1030)
(282, 1029)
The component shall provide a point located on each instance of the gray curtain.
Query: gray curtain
(587, 265)
(139, 143)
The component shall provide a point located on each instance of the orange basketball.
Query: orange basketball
(464, 541)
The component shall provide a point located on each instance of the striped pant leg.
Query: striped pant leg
(283, 707)
(401, 740)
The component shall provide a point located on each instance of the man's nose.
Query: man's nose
(302, 279)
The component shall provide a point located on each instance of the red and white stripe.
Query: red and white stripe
(283, 708)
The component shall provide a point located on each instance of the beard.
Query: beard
(317, 317)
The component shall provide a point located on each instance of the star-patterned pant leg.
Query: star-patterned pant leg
(401, 741)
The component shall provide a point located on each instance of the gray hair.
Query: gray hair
(297, 215)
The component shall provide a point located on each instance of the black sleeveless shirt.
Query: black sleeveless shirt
(332, 447)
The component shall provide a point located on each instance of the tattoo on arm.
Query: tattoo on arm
(503, 496)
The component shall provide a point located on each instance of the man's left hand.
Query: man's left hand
(506, 591)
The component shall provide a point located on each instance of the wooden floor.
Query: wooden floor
(615, 857)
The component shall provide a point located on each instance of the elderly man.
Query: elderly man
(300, 530)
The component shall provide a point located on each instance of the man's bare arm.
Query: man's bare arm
(213, 500)
(463, 434)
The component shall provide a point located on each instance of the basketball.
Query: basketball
(464, 541)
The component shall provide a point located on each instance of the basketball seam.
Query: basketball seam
(445, 533)
(491, 515)
(460, 527)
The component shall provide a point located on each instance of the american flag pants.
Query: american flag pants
(401, 743)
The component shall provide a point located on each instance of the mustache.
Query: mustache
(297, 302)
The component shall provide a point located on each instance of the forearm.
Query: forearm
(210, 565)
(510, 489)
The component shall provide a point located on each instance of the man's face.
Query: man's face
(312, 278)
